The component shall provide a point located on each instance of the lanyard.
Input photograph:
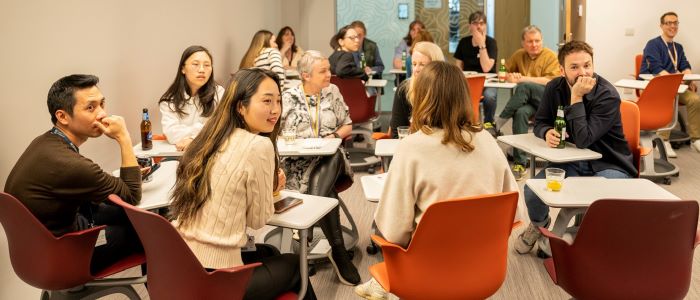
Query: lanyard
(65, 138)
(674, 56)
(315, 122)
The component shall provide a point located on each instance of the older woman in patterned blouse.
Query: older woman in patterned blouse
(316, 110)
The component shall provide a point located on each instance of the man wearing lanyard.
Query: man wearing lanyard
(65, 190)
(664, 56)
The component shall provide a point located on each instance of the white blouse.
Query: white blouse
(177, 128)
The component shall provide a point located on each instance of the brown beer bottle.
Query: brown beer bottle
(146, 133)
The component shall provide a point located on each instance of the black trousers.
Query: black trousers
(122, 239)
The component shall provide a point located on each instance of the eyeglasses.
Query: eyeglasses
(478, 23)
(196, 66)
(669, 23)
(353, 37)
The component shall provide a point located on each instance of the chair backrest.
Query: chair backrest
(630, 126)
(38, 257)
(355, 96)
(458, 251)
(174, 272)
(630, 249)
(475, 85)
(656, 104)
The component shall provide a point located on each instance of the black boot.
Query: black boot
(347, 273)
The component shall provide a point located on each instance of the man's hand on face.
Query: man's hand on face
(478, 38)
(112, 126)
(582, 86)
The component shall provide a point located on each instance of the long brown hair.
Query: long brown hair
(439, 98)
(260, 41)
(192, 186)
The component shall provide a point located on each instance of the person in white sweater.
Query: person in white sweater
(190, 99)
(446, 156)
(225, 183)
(263, 54)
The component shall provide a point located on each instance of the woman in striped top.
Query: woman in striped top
(263, 54)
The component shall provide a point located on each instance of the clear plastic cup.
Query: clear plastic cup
(402, 131)
(554, 178)
(289, 135)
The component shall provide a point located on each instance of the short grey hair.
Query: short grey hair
(530, 29)
(307, 60)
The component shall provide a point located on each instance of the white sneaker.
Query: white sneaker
(371, 290)
(669, 150)
(695, 145)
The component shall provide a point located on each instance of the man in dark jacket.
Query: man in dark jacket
(369, 49)
(592, 113)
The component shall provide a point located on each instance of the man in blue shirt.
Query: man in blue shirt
(664, 56)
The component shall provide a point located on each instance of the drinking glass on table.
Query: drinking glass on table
(402, 131)
(554, 178)
(289, 135)
(145, 161)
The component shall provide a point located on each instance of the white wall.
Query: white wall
(614, 52)
(134, 47)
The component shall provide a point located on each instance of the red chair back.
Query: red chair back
(355, 96)
(630, 126)
(629, 249)
(468, 261)
(38, 257)
(656, 104)
(475, 87)
(174, 272)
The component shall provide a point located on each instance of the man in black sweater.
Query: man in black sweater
(64, 189)
(592, 113)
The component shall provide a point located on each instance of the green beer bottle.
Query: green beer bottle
(560, 126)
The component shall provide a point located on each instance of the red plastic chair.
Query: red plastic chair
(628, 249)
(174, 272)
(658, 111)
(459, 250)
(475, 86)
(630, 126)
(60, 266)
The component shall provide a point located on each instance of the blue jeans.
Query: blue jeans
(538, 211)
(489, 103)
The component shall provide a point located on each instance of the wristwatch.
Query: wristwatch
(482, 48)
(336, 135)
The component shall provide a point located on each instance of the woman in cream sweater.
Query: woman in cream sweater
(463, 159)
(225, 182)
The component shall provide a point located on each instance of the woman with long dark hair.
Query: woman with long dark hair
(225, 183)
(287, 42)
(191, 98)
(263, 54)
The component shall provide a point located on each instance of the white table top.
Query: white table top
(582, 191)
(529, 143)
(308, 147)
(500, 85)
(386, 147)
(376, 83)
(372, 186)
(157, 192)
(689, 77)
(161, 148)
(642, 84)
(476, 74)
(304, 215)
(397, 71)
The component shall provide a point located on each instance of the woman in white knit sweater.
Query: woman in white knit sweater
(263, 54)
(445, 157)
(225, 182)
(191, 98)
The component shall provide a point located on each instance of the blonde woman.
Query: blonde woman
(460, 152)
(263, 54)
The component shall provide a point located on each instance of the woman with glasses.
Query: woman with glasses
(316, 109)
(190, 99)
(263, 54)
(291, 53)
(344, 43)
(225, 181)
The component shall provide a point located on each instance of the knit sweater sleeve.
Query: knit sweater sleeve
(260, 169)
(395, 213)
